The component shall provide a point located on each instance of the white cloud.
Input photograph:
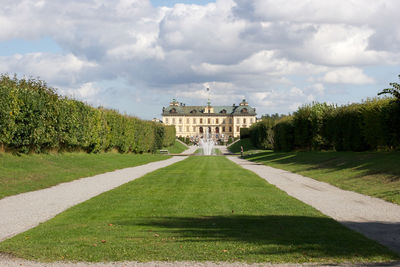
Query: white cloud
(276, 53)
(54, 68)
(349, 75)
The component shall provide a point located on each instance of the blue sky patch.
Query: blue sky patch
(19, 46)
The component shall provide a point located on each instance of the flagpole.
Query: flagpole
(208, 90)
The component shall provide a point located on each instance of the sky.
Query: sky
(136, 55)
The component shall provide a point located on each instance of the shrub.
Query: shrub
(284, 134)
(244, 133)
(33, 118)
(262, 134)
(308, 124)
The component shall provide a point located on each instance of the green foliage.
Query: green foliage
(33, 118)
(244, 133)
(169, 138)
(284, 134)
(261, 133)
(230, 140)
(395, 91)
(308, 123)
(373, 124)
(245, 143)
(185, 140)
(347, 129)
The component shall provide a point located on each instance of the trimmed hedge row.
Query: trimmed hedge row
(33, 118)
(373, 124)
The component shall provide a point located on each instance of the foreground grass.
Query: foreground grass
(25, 173)
(200, 209)
(372, 173)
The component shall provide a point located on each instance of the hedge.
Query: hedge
(33, 118)
(370, 125)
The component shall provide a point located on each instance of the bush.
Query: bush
(373, 124)
(284, 134)
(33, 118)
(308, 124)
(244, 133)
(262, 134)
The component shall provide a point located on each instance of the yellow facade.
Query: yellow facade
(221, 122)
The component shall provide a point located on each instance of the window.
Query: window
(223, 129)
(244, 110)
(216, 121)
(180, 128)
(172, 110)
(173, 120)
(237, 129)
(166, 120)
(201, 121)
(187, 128)
(230, 128)
(230, 120)
(224, 121)
(223, 111)
(237, 120)
(209, 121)
(244, 120)
(251, 120)
(180, 120)
(187, 121)
(194, 120)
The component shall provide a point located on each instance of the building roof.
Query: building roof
(182, 110)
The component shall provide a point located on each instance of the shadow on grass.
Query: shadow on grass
(368, 163)
(316, 236)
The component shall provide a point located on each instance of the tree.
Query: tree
(395, 91)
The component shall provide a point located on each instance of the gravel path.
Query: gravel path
(24, 211)
(373, 217)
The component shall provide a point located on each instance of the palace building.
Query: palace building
(221, 122)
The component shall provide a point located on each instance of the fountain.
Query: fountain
(207, 144)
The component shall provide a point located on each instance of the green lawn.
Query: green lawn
(199, 209)
(372, 173)
(176, 148)
(24, 173)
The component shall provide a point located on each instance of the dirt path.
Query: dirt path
(373, 217)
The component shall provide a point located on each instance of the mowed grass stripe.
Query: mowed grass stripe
(200, 209)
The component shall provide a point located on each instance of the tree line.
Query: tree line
(34, 118)
(371, 125)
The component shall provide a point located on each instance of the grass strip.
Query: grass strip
(25, 173)
(176, 148)
(200, 209)
(371, 173)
